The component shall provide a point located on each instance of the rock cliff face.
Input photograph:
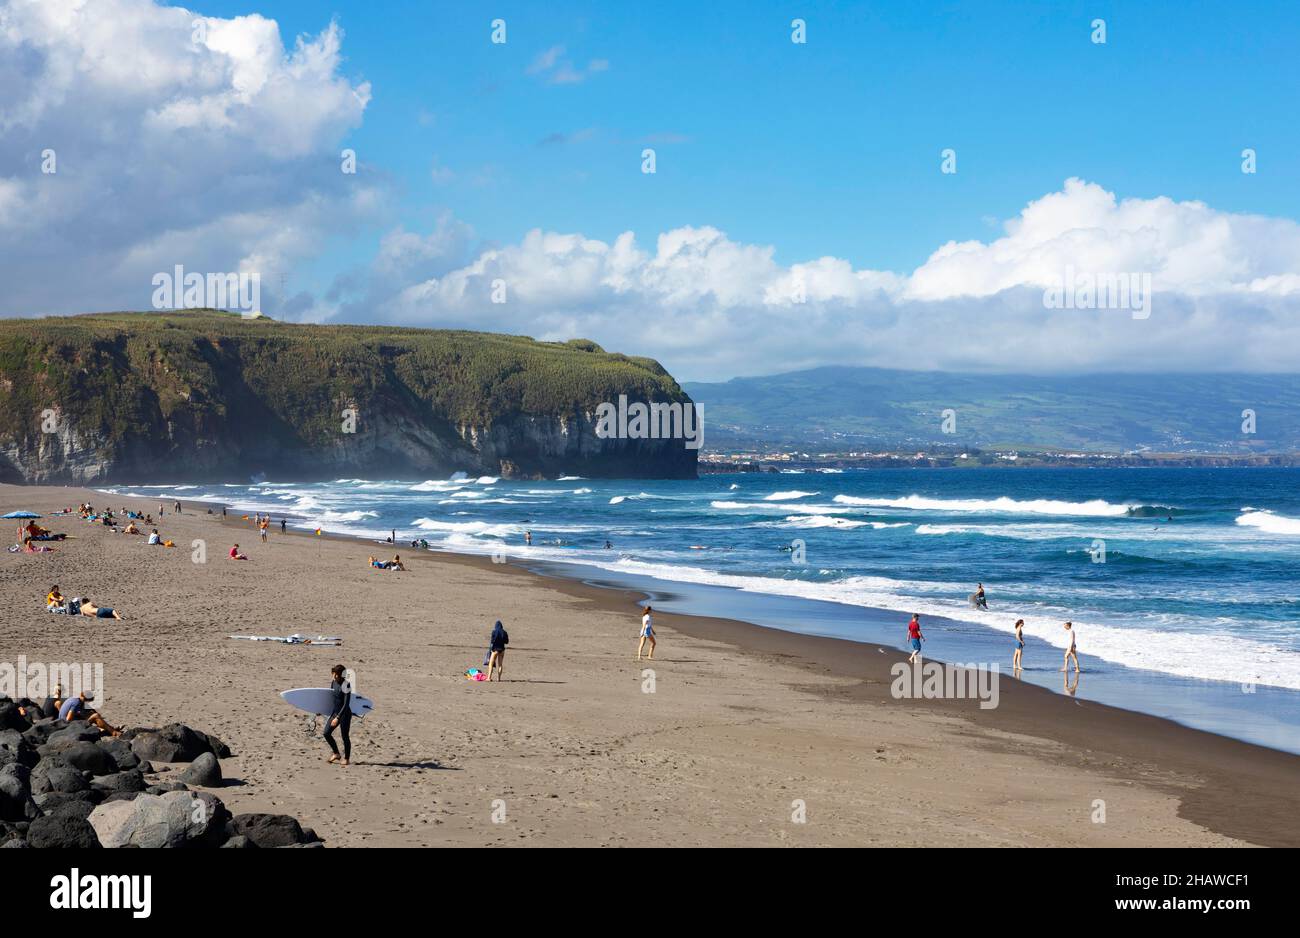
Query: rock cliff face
(207, 396)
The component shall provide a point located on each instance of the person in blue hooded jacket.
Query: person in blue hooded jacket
(497, 643)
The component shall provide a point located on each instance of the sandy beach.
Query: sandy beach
(751, 737)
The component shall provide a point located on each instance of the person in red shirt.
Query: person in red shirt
(235, 554)
(915, 637)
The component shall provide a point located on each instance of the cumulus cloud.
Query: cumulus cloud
(1226, 295)
(175, 139)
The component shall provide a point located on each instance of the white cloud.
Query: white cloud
(1226, 289)
(555, 70)
(221, 154)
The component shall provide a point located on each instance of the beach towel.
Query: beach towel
(474, 674)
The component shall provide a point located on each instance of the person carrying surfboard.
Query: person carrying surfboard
(340, 715)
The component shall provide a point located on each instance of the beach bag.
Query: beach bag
(73, 607)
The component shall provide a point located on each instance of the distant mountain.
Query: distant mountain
(203, 395)
(842, 407)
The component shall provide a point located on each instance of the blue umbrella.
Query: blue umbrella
(21, 514)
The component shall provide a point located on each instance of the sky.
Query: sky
(799, 212)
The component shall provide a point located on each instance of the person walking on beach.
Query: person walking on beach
(1071, 650)
(647, 634)
(340, 714)
(177, 508)
(1020, 645)
(497, 643)
(263, 527)
(915, 637)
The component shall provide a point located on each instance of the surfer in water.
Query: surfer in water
(647, 634)
(340, 714)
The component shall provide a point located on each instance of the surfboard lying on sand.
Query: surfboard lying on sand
(294, 639)
(320, 701)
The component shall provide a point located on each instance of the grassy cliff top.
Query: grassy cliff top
(93, 366)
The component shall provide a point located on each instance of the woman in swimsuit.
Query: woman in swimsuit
(647, 634)
(1020, 645)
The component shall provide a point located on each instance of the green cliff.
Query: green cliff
(207, 395)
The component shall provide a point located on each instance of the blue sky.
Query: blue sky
(831, 147)
(798, 215)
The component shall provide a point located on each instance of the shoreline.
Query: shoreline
(1265, 715)
(1020, 773)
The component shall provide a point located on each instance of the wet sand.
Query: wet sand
(747, 729)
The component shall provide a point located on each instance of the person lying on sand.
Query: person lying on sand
(75, 708)
(235, 554)
(378, 564)
(91, 611)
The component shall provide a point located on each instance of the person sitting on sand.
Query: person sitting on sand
(497, 643)
(236, 555)
(915, 637)
(54, 598)
(647, 634)
(154, 538)
(1071, 649)
(91, 611)
(131, 529)
(75, 708)
(396, 564)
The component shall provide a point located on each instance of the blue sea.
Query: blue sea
(1181, 582)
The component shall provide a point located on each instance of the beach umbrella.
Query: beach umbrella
(21, 514)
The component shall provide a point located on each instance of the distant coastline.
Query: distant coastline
(793, 460)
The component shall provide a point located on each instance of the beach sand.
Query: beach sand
(745, 724)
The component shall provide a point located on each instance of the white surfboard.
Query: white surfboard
(320, 701)
(295, 639)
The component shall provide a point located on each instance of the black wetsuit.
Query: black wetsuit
(343, 712)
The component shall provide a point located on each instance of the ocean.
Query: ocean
(1180, 582)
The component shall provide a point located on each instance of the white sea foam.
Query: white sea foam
(787, 496)
(476, 528)
(821, 521)
(1269, 522)
(1214, 655)
(1096, 508)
